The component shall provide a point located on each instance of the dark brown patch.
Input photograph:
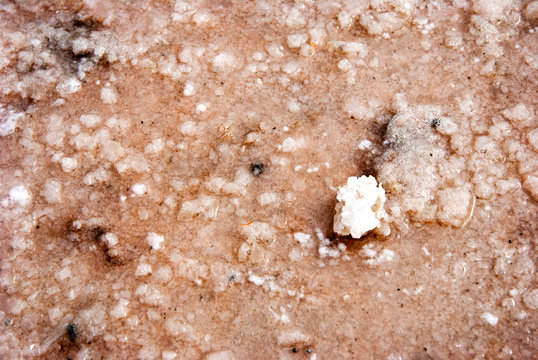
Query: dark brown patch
(81, 232)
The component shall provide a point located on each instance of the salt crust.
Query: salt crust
(415, 169)
(450, 202)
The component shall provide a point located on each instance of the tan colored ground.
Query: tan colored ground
(169, 174)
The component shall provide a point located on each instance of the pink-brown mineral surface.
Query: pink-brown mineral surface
(169, 174)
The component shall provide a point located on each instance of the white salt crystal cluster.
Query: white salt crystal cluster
(360, 206)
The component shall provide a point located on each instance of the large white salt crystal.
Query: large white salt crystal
(317, 34)
(351, 47)
(530, 299)
(134, 162)
(69, 86)
(490, 318)
(292, 337)
(519, 112)
(295, 18)
(223, 62)
(110, 239)
(163, 274)
(188, 90)
(492, 8)
(304, 239)
(189, 128)
(291, 68)
(139, 189)
(143, 269)
(19, 195)
(99, 175)
(360, 206)
(268, 198)
(8, 121)
(386, 255)
(168, 355)
(16, 306)
(290, 144)
(360, 109)
(177, 326)
(109, 95)
(121, 310)
(90, 120)
(220, 355)
(52, 191)
(155, 240)
(111, 150)
(276, 50)
(258, 231)
(69, 164)
(454, 205)
(296, 40)
(63, 274)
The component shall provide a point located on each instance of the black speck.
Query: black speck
(293, 350)
(435, 122)
(425, 349)
(468, 78)
(431, 154)
(257, 169)
(141, 121)
(398, 289)
(274, 128)
(509, 241)
(37, 226)
(72, 331)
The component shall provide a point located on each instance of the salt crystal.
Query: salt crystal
(490, 318)
(188, 90)
(360, 206)
(143, 269)
(20, 195)
(155, 240)
(109, 95)
(110, 239)
(69, 164)
(223, 62)
(138, 189)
